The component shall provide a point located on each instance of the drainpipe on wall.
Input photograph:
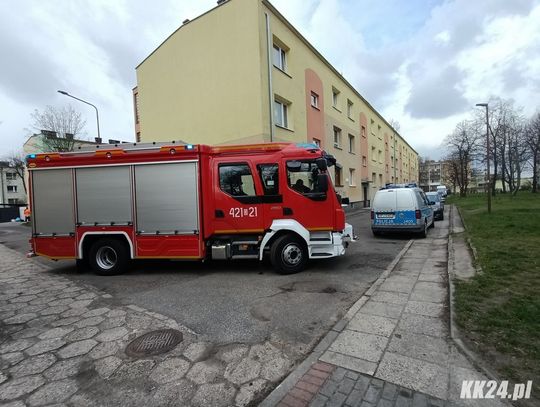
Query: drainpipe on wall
(395, 154)
(2, 178)
(270, 91)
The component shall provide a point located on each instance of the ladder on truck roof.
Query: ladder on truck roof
(155, 145)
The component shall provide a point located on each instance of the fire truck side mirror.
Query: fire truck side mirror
(322, 181)
(321, 164)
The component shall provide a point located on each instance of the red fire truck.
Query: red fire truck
(115, 203)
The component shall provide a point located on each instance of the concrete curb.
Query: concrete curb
(290, 381)
(454, 331)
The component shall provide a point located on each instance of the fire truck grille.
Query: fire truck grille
(154, 343)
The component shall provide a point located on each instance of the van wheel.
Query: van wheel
(288, 255)
(424, 232)
(376, 233)
(108, 257)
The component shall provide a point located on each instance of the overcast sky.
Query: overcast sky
(424, 63)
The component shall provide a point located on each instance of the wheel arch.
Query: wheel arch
(283, 227)
(88, 238)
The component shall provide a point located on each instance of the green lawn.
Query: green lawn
(499, 309)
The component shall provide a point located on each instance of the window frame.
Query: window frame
(337, 132)
(352, 144)
(314, 100)
(12, 189)
(282, 57)
(352, 172)
(283, 114)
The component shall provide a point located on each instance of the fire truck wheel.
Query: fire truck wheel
(82, 265)
(288, 255)
(108, 257)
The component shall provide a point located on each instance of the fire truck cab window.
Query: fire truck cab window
(236, 180)
(269, 178)
(302, 176)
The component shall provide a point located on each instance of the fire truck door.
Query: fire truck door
(238, 208)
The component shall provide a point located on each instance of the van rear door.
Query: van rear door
(384, 207)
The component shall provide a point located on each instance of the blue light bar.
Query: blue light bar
(31, 156)
(190, 146)
(308, 146)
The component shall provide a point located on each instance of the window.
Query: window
(351, 144)
(364, 161)
(352, 182)
(269, 178)
(379, 132)
(335, 98)
(280, 114)
(338, 176)
(317, 141)
(236, 179)
(373, 157)
(349, 109)
(380, 179)
(11, 176)
(12, 188)
(303, 177)
(13, 201)
(363, 131)
(337, 137)
(380, 156)
(374, 178)
(280, 58)
(314, 100)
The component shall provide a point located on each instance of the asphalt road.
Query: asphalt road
(243, 301)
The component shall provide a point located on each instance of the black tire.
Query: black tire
(376, 233)
(288, 255)
(424, 232)
(108, 257)
(432, 223)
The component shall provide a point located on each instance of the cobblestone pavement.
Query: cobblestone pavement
(62, 344)
(393, 346)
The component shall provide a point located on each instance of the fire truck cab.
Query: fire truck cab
(106, 206)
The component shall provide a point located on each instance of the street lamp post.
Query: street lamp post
(63, 92)
(487, 156)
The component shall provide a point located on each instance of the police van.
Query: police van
(401, 208)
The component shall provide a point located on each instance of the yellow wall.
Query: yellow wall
(202, 85)
(208, 83)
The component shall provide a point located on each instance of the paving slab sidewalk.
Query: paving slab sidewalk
(394, 346)
(63, 344)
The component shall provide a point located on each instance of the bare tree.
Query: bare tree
(532, 139)
(463, 148)
(61, 125)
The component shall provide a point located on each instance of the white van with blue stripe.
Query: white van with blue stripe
(401, 209)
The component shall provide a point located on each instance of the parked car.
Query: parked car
(402, 209)
(437, 202)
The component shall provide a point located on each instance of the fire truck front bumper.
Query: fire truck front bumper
(339, 243)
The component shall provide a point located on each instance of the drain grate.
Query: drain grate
(154, 343)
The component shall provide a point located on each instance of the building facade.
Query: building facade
(241, 73)
(12, 187)
(433, 173)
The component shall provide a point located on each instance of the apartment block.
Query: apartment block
(12, 188)
(241, 73)
(433, 173)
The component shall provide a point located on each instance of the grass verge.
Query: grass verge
(499, 309)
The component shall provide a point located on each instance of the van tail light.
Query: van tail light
(372, 215)
(418, 214)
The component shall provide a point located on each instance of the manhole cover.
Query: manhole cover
(154, 343)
